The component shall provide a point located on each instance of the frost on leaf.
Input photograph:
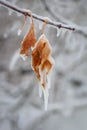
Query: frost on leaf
(42, 63)
(28, 41)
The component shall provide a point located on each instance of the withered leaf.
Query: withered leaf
(48, 64)
(41, 56)
(42, 63)
(28, 41)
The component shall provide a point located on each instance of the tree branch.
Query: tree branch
(37, 17)
(78, 28)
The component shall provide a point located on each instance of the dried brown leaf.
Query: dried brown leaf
(42, 63)
(48, 65)
(28, 41)
(41, 56)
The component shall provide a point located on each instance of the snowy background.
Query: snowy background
(21, 108)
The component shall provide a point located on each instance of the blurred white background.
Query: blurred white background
(21, 108)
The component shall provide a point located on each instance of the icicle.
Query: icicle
(44, 87)
(24, 57)
(40, 90)
(40, 25)
(19, 32)
(58, 32)
(48, 81)
(43, 26)
(19, 14)
(10, 12)
(45, 92)
(42, 64)
(14, 59)
(21, 28)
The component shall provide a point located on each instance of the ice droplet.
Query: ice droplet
(24, 57)
(14, 59)
(40, 90)
(19, 14)
(48, 81)
(40, 25)
(10, 12)
(58, 32)
(19, 32)
(45, 92)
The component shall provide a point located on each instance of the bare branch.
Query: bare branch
(37, 17)
(78, 28)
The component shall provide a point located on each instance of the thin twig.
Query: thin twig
(78, 28)
(37, 17)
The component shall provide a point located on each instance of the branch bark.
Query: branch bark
(37, 17)
(78, 28)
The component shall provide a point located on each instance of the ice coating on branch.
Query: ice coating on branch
(47, 19)
(42, 64)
